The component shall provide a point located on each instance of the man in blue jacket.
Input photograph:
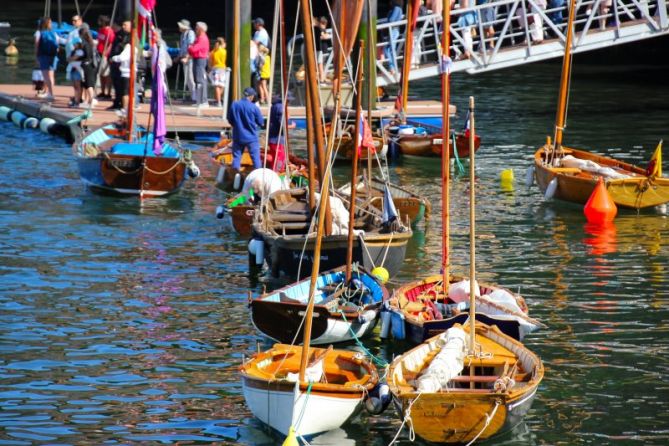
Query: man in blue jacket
(245, 118)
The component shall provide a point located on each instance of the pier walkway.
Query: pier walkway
(524, 32)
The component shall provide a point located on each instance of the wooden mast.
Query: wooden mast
(445, 143)
(472, 232)
(311, 169)
(284, 74)
(131, 93)
(323, 204)
(408, 55)
(560, 119)
(354, 167)
(314, 97)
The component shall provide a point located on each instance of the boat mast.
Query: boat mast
(284, 74)
(472, 232)
(314, 97)
(354, 167)
(131, 92)
(561, 117)
(323, 203)
(408, 55)
(445, 142)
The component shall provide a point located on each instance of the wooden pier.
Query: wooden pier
(180, 118)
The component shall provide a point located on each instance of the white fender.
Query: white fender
(529, 177)
(18, 118)
(220, 213)
(257, 248)
(237, 183)
(31, 123)
(550, 190)
(193, 170)
(385, 324)
(220, 175)
(4, 113)
(46, 124)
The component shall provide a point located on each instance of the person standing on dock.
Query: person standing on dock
(260, 36)
(217, 67)
(389, 51)
(199, 52)
(186, 39)
(46, 50)
(276, 153)
(121, 39)
(245, 118)
(105, 39)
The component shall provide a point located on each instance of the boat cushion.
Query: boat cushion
(139, 148)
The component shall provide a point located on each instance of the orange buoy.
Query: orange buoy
(600, 207)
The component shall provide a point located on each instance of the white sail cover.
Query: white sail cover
(591, 166)
(446, 365)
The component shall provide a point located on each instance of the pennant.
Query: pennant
(654, 168)
(389, 211)
(365, 138)
(144, 11)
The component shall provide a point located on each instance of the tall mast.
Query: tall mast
(354, 167)
(560, 119)
(314, 95)
(323, 204)
(311, 172)
(472, 231)
(131, 92)
(445, 143)
(408, 45)
(370, 81)
(284, 72)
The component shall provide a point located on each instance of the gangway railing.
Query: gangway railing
(505, 33)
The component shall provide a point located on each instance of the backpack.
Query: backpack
(48, 46)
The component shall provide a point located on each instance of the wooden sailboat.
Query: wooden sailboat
(344, 311)
(303, 389)
(284, 223)
(571, 174)
(409, 204)
(422, 308)
(116, 159)
(471, 382)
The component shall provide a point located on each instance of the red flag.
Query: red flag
(365, 138)
(144, 11)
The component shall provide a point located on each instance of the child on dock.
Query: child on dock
(38, 81)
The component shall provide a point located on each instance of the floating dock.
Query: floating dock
(181, 118)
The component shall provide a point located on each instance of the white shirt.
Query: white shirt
(262, 36)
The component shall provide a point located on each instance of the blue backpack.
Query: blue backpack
(48, 46)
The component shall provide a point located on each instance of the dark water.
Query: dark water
(124, 322)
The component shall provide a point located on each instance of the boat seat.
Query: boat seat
(567, 170)
(288, 216)
(290, 225)
(476, 379)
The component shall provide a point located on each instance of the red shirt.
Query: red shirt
(105, 34)
(200, 48)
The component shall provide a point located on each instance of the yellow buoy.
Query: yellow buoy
(381, 274)
(11, 49)
(291, 439)
(506, 179)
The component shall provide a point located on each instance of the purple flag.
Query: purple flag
(158, 102)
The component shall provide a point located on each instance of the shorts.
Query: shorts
(319, 56)
(75, 75)
(104, 67)
(47, 62)
(217, 77)
(125, 86)
(89, 76)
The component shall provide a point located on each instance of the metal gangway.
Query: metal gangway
(507, 33)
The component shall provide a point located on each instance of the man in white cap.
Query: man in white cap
(260, 35)
(186, 39)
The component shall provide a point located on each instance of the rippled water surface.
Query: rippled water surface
(124, 322)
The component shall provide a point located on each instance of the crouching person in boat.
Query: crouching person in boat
(245, 118)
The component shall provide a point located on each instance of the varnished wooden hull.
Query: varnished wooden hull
(459, 414)
(283, 253)
(242, 218)
(131, 175)
(430, 145)
(576, 186)
(279, 314)
(319, 407)
(345, 149)
(409, 205)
